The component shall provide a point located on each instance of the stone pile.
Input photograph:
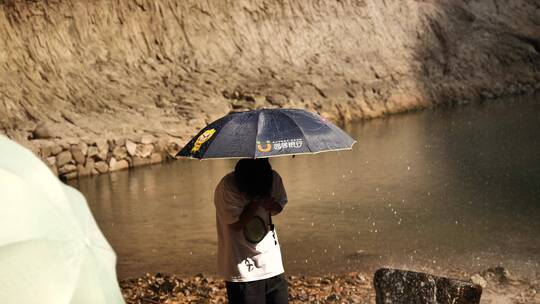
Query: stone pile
(77, 157)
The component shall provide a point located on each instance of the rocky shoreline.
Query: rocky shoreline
(499, 287)
(78, 157)
(71, 158)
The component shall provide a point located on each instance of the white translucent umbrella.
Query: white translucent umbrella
(51, 249)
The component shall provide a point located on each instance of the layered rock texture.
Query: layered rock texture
(404, 287)
(94, 86)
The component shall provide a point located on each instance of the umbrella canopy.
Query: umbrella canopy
(51, 249)
(266, 133)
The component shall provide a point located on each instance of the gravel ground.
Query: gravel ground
(159, 288)
(499, 287)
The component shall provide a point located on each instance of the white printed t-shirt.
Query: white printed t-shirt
(238, 259)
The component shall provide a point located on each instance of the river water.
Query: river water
(441, 189)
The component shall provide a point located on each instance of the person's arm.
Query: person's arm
(247, 214)
(271, 205)
(278, 197)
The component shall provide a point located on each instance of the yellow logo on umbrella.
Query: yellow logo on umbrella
(266, 148)
(202, 139)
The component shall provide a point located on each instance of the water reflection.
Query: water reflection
(436, 190)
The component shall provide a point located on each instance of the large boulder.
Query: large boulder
(79, 151)
(394, 286)
(63, 158)
(116, 165)
(46, 130)
(103, 149)
(144, 150)
(101, 167)
(120, 152)
(131, 147)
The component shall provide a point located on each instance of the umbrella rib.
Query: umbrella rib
(330, 127)
(299, 128)
(257, 134)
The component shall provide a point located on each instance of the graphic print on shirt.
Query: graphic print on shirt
(249, 264)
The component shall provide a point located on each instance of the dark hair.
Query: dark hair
(254, 176)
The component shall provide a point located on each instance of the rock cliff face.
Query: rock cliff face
(112, 81)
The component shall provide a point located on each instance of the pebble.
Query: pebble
(479, 280)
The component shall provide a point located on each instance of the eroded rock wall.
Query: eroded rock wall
(76, 73)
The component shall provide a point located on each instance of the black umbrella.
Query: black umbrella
(266, 133)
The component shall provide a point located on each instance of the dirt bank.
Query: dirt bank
(82, 77)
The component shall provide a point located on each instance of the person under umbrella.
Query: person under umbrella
(249, 256)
